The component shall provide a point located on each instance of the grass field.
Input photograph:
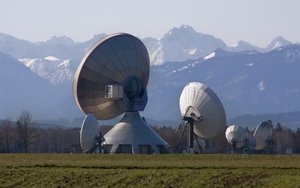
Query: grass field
(80, 170)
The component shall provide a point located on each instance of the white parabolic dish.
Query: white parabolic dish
(202, 98)
(88, 133)
(262, 134)
(236, 135)
(239, 136)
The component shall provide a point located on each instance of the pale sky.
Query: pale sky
(254, 21)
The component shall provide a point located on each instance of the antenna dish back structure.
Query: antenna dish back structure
(111, 80)
(199, 145)
(203, 112)
(89, 134)
(263, 134)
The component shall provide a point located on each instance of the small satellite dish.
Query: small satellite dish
(89, 134)
(235, 136)
(202, 111)
(111, 80)
(238, 137)
(263, 134)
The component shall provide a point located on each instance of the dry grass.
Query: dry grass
(56, 170)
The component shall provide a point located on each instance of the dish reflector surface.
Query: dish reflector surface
(262, 134)
(239, 137)
(117, 60)
(88, 133)
(202, 98)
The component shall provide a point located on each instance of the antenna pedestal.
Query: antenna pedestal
(190, 137)
(133, 135)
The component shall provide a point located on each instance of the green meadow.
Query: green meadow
(90, 170)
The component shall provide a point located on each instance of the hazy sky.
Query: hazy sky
(255, 21)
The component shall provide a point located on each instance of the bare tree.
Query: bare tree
(7, 134)
(25, 131)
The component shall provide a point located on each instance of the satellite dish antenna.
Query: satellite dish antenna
(239, 138)
(263, 134)
(202, 112)
(90, 136)
(111, 80)
(235, 136)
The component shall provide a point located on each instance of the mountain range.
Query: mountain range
(248, 79)
(247, 82)
(178, 44)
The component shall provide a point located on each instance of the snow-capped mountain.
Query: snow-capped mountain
(155, 50)
(184, 43)
(247, 83)
(61, 47)
(276, 43)
(244, 46)
(51, 68)
(178, 44)
(248, 79)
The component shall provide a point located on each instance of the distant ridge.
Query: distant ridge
(178, 44)
(289, 119)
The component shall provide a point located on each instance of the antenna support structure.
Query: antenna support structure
(110, 81)
(189, 119)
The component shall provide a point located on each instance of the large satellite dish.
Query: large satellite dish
(111, 80)
(263, 134)
(112, 77)
(202, 110)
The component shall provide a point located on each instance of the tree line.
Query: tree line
(23, 136)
